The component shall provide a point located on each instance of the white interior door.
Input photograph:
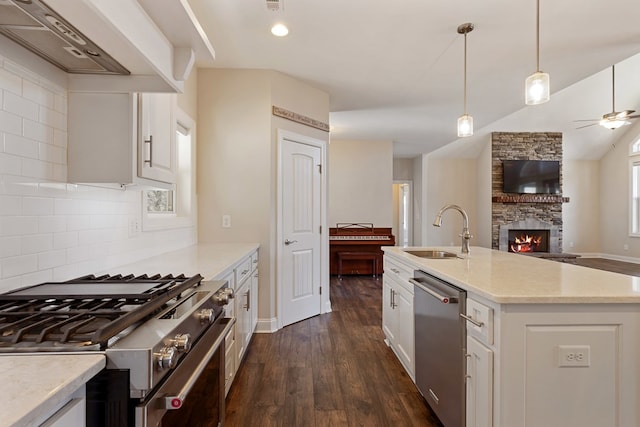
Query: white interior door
(300, 238)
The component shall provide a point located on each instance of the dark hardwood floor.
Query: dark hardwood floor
(330, 370)
(629, 268)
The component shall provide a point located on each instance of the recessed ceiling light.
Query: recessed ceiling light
(279, 30)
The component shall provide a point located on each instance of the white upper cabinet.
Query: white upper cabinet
(107, 134)
(157, 142)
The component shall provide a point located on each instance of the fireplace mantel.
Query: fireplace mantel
(530, 198)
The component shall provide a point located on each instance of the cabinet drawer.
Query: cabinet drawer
(242, 271)
(229, 340)
(397, 270)
(254, 260)
(480, 321)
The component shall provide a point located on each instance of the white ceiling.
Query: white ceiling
(394, 69)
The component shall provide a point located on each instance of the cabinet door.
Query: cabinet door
(242, 320)
(405, 336)
(389, 318)
(479, 384)
(254, 301)
(157, 140)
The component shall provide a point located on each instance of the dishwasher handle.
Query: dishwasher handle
(445, 299)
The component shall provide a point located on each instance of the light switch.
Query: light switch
(226, 221)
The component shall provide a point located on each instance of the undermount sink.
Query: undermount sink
(432, 254)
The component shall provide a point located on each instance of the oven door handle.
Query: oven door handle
(175, 401)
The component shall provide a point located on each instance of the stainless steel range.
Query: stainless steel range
(162, 335)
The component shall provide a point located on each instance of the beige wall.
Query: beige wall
(581, 216)
(419, 200)
(403, 169)
(614, 198)
(360, 182)
(237, 149)
(482, 229)
(450, 181)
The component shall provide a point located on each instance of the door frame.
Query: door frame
(325, 302)
(409, 208)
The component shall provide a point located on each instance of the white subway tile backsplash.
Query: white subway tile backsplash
(10, 164)
(18, 225)
(37, 169)
(60, 103)
(52, 153)
(35, 243)
(37, 206)
(38, 131)
(10, 123)
(37, 277)
(20, 146)
(10, 205)
(19, 106)
(65, 240)
(52, 259)
(60, 138)
(78, 222)
(52, 118)
(10, 82)
(10, 246)
(10, 284)
(38, 94)
(52, 224)
(79, 254)
(17, 265)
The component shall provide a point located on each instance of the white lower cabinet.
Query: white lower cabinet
(479, 383)
(73, 413)
(397, 320)
(244, 307)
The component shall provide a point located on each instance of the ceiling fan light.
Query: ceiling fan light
(537, 88)
(613, 124)
(465, 125)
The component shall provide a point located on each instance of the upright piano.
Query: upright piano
(355, 248)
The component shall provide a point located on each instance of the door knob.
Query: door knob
(288, 242)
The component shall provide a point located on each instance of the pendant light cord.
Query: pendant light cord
(465, 73)
(538, 35)
(613, 88)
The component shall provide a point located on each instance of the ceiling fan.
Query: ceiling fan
(614, 119)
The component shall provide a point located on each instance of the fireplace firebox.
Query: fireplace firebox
(525, 241)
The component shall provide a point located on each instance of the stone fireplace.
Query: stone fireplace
(548, 235)
(525, 211)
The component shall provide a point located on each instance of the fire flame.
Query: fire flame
(526, 243)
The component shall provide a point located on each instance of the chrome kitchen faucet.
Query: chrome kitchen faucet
(466, 236)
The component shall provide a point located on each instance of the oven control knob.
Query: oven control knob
(167, 357)
(223, 296)
(206, 315)
(182, 342)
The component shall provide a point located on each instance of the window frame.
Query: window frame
(184, 195)
(634, 188)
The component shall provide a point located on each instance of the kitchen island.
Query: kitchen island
(554, 344)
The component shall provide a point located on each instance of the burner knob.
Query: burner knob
(206, 315)
(223, 296)
(182, 342)
(167, 357)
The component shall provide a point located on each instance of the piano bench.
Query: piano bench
(357, 256)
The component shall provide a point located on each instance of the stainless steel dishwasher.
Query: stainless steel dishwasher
(440, 346)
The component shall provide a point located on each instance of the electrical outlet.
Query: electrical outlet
(574, 355)
(226, 221)
(625, 247)
(570, 244)
(134, 227)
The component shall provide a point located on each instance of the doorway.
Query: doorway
(402, 208)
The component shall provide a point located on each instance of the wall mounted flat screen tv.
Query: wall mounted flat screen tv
(531, 176)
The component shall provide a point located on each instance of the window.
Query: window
(168, 208)
(634, 214)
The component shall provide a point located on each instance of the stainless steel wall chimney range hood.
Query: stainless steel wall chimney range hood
(37, 27)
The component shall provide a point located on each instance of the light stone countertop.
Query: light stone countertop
(207, 259)
(33, 386)
(505, 277)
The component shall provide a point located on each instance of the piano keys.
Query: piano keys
(355, 248)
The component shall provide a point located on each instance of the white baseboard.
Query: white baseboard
(267, 326)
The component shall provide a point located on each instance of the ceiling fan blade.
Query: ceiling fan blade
(586, 126)
(635, 116)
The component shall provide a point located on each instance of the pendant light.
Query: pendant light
(465, 121)
(537, 84)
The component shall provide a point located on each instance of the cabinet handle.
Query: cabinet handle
(244, 272)
(393, 299)
(150, 142)
(395, 271)
(478, 323)
(248, 299)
